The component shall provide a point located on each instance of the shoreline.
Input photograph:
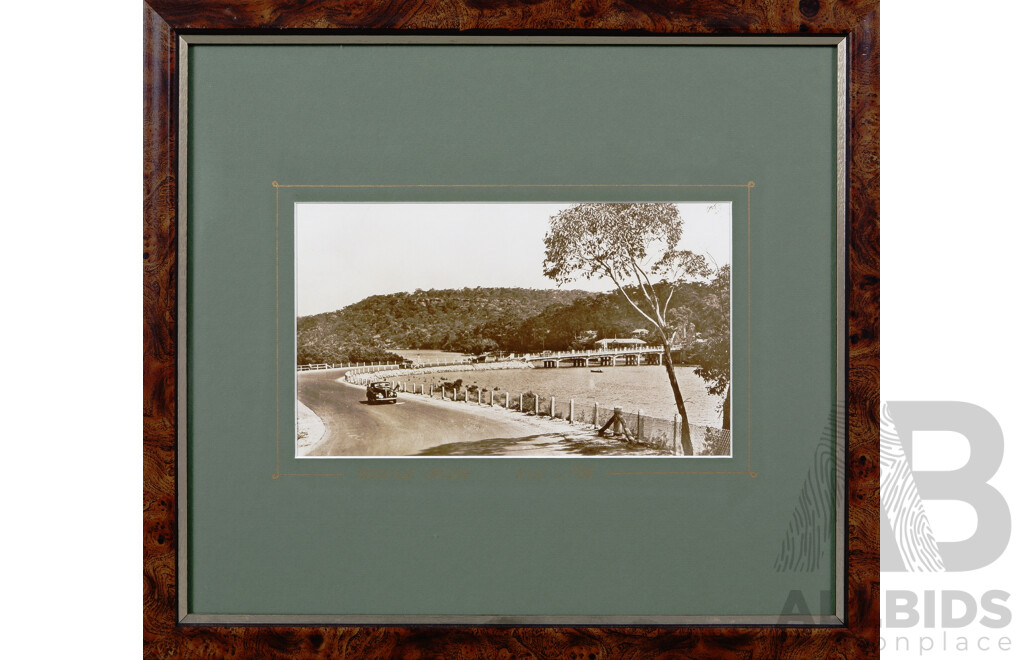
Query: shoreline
(637, 389)
(363, 378)
(544, 435)
(551, 431)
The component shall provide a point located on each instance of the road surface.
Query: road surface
(355, 428)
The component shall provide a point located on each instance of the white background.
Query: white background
(952, 141)
(71, 277)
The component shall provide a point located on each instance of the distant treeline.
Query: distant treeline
(483, 320)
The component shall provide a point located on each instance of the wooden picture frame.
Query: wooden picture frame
(167, 20)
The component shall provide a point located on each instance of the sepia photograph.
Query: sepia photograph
(513, 329)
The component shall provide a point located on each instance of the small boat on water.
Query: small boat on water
(596, 371)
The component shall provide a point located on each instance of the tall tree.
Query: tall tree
(636, 245)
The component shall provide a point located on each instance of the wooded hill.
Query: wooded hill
(445, 319)
(493, 319)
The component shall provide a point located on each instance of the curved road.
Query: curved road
(355, 428)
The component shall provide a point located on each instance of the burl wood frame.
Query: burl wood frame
(166, 20)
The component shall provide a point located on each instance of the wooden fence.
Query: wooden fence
(636, 426)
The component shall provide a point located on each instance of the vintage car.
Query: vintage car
(381, 391)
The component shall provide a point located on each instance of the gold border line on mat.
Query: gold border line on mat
(277, 278)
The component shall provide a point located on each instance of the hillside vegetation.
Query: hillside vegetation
(446, 319)
(494, 319)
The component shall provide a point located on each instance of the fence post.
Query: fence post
(478, 396)
(520, 402)
(551, 413)
(572, 410)
(676, 444)
(596, 423)
(492, 399)
(536, 404)
(508, 395)
(431, 390)
(639, 425)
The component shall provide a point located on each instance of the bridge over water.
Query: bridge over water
(607, 357)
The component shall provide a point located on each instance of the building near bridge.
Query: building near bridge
(620, 342)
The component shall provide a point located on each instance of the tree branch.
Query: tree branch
(652, 298)
(642, 271)
(618, 285)
(671, 292)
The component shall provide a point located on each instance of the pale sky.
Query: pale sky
(347, 252)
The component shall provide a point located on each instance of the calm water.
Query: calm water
(428, 355)
(633, 388)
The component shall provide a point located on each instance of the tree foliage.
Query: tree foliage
(471, 320)
(637, 247)
(711, 353)
(488, 320)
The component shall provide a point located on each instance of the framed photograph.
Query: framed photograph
(382, 317)
(541, 332)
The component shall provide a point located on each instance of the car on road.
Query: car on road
(381, 390)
